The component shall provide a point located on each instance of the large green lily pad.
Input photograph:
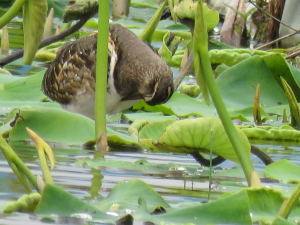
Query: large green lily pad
(141, 200)
(284, 171)
(190, 136)
(57, 125)
(21, 88)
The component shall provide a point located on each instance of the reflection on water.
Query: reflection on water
(78, 180)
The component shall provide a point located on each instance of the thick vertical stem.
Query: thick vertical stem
(101, 74)
(201, 53)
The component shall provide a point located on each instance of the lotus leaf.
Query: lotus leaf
(22, 89)
(149, 116)
(284, 133)
(62, 126)
(265, 204)
(141, 200)
(284, 171)
(191, 135)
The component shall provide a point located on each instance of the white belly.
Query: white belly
(84, 103)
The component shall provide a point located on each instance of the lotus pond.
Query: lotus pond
(173, 182)
(148, 176)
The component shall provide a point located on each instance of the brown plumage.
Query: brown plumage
(135, 72)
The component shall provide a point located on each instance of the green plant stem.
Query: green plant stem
(17, 165)
(101, 69)
(11, 13)
(201, 47)
(210, 163)
(44, 167)
(43, 150)
(151, 25)
(289, 204)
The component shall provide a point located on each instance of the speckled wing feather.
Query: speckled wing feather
(73, 71)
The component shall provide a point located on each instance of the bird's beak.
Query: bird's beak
(149, 97)
(133, 96)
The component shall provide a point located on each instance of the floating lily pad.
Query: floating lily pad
(141, 200)
(284, 171)
(151, 117)
(55, 200)
(22, 88)
(238, 83)
(265, 203)
(57, 125)
(284, 133)
(191, 135)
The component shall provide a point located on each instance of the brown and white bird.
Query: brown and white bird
(135, 72)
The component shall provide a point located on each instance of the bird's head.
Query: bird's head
(161, 91)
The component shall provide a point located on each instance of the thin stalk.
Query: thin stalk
(201, 48)
(101, 71)
(11, 13)
(289, 204)
(147, 33)
(17, 165)
(43, 150)
(210, 163)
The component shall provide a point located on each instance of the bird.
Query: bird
(135, 72)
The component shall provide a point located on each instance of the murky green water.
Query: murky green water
(78, 180)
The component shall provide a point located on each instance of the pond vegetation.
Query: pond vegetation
(259, 90)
